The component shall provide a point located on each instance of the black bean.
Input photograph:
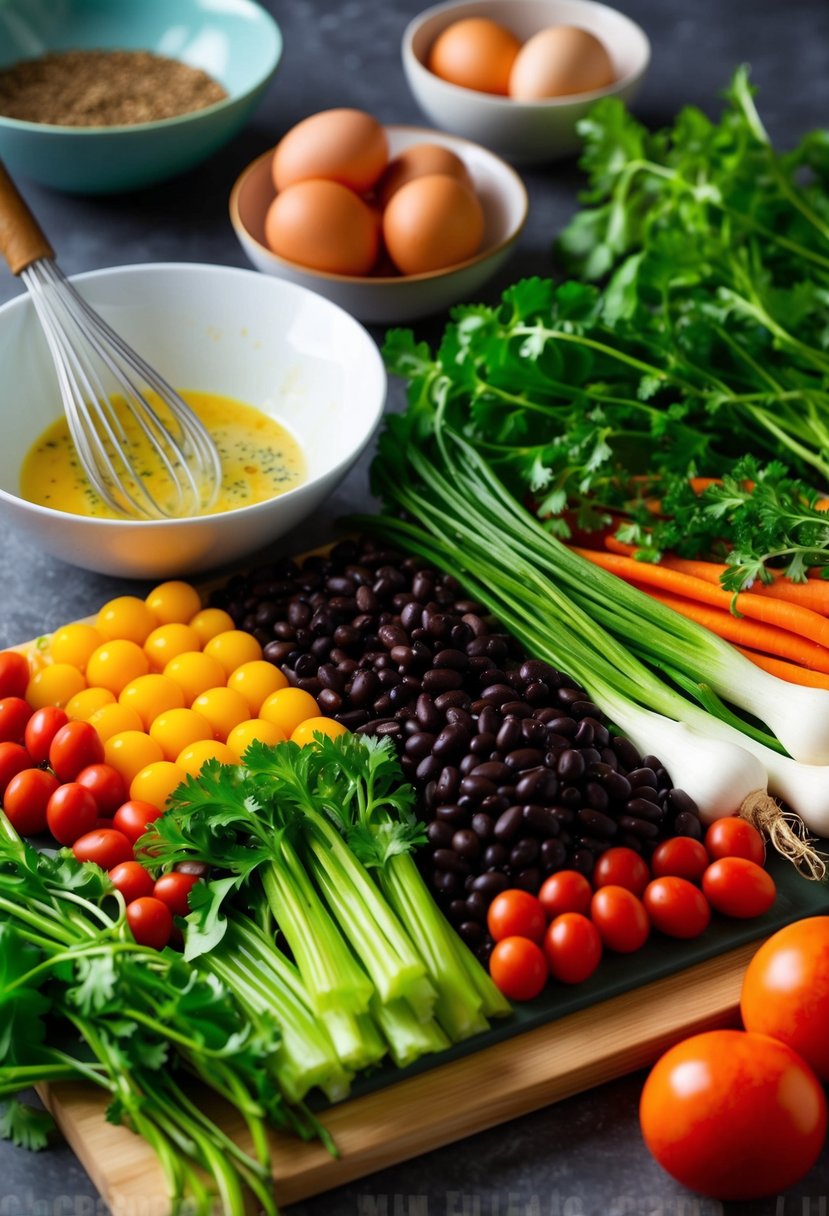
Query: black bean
(688, 824)
(452, 741)
(476, 906)
(491, 884)
(533, 732)
(439, 834)
(508, 824)
(596, 796)
(558, 723)
(648, 793)
(641, 808)
(540, 819)
(455, 659)
(491, 770)
(427, 713)
(483, 826)
(570, 796)
(457, 911)
(466, 844)
(442, 679)
(447, 882)
(529, 880)
(586, 709)
(537, 693)
(277, 652)
(651, 762)
(583, 860)
(471, 932)
(596, 844)
(537, 669)
(681, 803)
(455, 716)
(429, 767)
(476, 787)
(419, 745)
(584, 735)
(495, 856)
(630, 842)
(495, 804)
(553, 854)
(489, 721)
(518, 709)
(639, 827)
(523, 758)
(509, 736)
(352, 719)
(610, 758)
(345, 636)
(311, 684)
(591, 755)
(382, 705)
(329, 701)
(496, 694)
(476, 624)
(448, 859)
(453, 814)
(570, 765)
(448, 783)
(456, 699)
(597, 823)
(384, 728)
(481, 745)
(537, 785)
(524, 853)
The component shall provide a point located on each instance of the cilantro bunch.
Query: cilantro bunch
(707, 343)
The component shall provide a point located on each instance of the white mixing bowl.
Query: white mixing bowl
(265, 342)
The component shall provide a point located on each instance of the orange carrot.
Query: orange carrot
(807, 595)
(618, 546)
(786, 671)
(751, 634)
(801, 621)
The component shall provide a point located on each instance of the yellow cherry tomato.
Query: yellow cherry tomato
(130, 751)
(115, 663)
(194, 673)
(125, 617)
(241, 737)
(178, 728)
(54, 684)
(194, 757)
(74, 644)
(173, 602)
(210, 621)
(167, 641)
(304, 733)
(156, 782)
(223, 708)
(256, 681)
(233, 648)
(84, 703)
(288, 707)
(151, 695)
(113, 719)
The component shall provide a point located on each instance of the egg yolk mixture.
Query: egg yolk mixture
(260, 459)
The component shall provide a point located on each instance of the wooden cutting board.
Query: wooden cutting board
(434, 1108)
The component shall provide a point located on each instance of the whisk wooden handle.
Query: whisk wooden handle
(21, 238)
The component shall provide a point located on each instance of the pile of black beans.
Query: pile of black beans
(518, 773)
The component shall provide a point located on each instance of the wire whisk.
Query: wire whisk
(105, 385)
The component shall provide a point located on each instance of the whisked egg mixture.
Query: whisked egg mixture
(260, 459)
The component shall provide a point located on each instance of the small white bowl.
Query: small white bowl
(220, 330)
(525, 132)
(391, 299)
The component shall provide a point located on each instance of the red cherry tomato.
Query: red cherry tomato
(174, 890)
(516, 913)
(737, 887)
(106, 847)
(14, 674)
(13, 760)
(72, 812)
(621, 867)
(732, 1115)
(151, 922)
(26, 798)
(735, 837)
(41, 729)
(132, 880)
(106, 785)
(676, 907)
(14, 714)
(573, 947)
(518, 968)
(565, 891)
(75, 745)
(133, 818)
(680, 857)
(786, 990)
(620, 918)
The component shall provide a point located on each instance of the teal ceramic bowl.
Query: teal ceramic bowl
(234, 41)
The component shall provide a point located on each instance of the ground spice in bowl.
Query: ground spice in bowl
(104, 88)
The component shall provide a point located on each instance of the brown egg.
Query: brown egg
(431, 223)
(476, 53)
(325, 226)
(418, 161)
(346, 146)
(559, 61)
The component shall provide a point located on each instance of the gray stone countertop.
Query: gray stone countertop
(583, 1156)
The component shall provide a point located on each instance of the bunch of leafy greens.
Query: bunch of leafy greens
(316, 842)
(704, 353)
(81, 1000)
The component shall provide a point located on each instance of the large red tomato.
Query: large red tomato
(786, 990)
(733, 1115)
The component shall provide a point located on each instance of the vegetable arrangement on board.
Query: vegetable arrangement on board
(707, 342)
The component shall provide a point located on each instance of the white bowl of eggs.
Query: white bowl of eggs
(392, 223)
(518, 75)
(290, 386)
